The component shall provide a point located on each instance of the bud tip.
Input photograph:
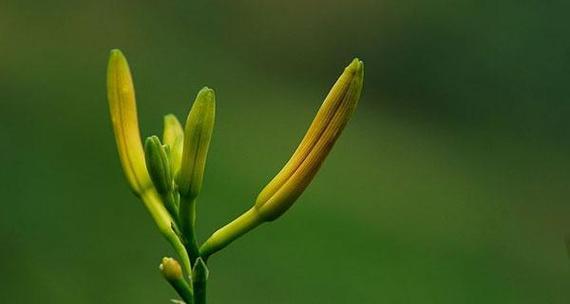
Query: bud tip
(207, 92)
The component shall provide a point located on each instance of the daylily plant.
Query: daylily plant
(167, 174)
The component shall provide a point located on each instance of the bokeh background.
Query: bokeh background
(450, 184)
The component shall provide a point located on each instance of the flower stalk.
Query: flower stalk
(168, 175)
(199, 277)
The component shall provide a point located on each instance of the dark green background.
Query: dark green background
(450, 184)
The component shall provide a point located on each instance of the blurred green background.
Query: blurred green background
(450, 184)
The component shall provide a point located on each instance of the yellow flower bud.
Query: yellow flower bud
(291, 181)
(172, 272)
(173, 136)
(336, 110)
(170, 269)
(123, 108)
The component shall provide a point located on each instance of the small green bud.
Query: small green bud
(158, 165)
(172, 272)
(173, 136)
(197, 135)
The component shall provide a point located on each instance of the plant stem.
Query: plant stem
(199, 278)
(164, 222)
(184, 291)
(230, 232)
(200, 292)
(188, 222)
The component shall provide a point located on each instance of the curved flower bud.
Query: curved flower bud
(123, 109)
(280, 194)
(197, 135)
(336, 110)
(173, 136)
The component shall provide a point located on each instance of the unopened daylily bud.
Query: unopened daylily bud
(172, 272)
(123, 109)
(197, 135)
(170, 269)
(291, 181)
(325, 129)
(173, 136)
(158, 165)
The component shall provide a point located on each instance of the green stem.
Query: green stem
(170, 202)
(230, 232)
(183, 290)
(188, 223)
(199, 292)
(199, 279)
(164, 223)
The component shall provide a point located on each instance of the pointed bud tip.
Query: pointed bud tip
(153, 138)
(170, 118)
(151, 142)
(116, 54)
(207, 92)
(355, 66)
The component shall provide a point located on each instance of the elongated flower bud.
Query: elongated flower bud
(173, 136)
(123, 109)
(291, 181)
(158, 165)
(197, 135)
(325, 129)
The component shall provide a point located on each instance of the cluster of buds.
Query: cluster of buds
(167, 174)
